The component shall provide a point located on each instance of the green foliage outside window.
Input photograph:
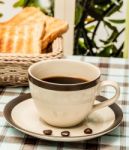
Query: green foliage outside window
(90, 16)
(36, 3)
(1, 2)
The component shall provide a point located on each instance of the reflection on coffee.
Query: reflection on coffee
(64, 80)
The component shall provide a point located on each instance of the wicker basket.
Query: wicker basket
(13, 67)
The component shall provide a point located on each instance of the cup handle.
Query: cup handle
(108, 101)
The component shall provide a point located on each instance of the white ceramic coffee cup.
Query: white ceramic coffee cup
(65, 105)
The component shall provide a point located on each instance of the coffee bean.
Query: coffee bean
(88, 131)
(47, 132)
(65, 133)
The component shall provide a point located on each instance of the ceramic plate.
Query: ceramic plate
(22, 115)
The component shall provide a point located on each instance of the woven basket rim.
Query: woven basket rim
(13, 67)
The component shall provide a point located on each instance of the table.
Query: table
(113, 69)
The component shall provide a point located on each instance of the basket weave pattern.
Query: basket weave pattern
(13, 67)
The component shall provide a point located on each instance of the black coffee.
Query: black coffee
(64, 80)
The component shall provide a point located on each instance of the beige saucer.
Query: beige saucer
(22, 115)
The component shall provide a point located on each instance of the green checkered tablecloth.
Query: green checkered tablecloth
(113, 69)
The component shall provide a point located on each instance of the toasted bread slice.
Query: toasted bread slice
(54, 28)
(21, 39)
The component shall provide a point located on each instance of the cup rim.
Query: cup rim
(62, 87)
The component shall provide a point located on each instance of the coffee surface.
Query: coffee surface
(64, 80)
